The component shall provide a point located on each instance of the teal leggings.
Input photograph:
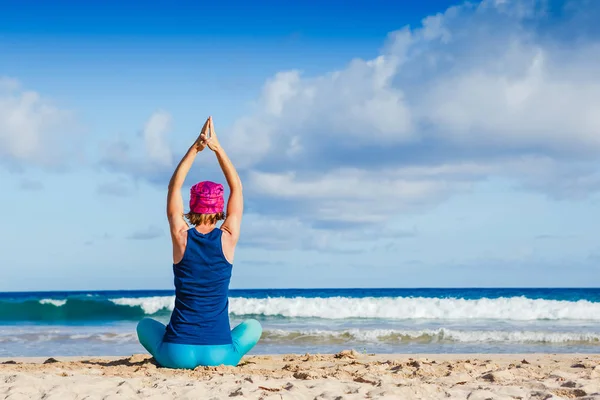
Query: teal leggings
(188, 356)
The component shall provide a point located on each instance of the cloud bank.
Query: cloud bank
(34, 131)
(507, 89)
(493, 89)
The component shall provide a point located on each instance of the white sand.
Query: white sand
(347, 375)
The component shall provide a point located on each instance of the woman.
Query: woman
(199, 332)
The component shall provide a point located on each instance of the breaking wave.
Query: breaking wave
(389, 308)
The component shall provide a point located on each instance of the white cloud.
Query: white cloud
(155, 132)
(485, 89)
(489, 89)
(354, 195)
(283, 234)
(545, 105)
(474, 76)
(293, 232)
(32, 129)
(153, 160)
(353, 106)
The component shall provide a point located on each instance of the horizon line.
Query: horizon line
(313, 288)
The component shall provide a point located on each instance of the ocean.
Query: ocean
(318, 320)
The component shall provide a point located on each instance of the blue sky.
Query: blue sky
(381, 144)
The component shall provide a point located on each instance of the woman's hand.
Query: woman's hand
(200, 144)
(210, 140)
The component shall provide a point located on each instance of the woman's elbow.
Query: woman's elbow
(237, 185)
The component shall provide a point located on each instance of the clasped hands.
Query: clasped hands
(207, 137)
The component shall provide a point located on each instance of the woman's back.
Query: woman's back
(202, 280)
(199, 331)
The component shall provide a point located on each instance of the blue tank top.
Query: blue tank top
(201, 313)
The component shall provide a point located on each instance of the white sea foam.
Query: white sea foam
(66, 337)
(435, 335)
(318, 336)
(57, 303)
(505, 308)
(513, 308)
(150, 305)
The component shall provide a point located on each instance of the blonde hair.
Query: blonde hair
(204, 219)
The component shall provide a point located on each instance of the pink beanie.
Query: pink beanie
(206, 198)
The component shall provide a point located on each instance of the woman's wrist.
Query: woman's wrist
(194, 149)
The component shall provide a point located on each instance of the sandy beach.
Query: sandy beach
(346, 375)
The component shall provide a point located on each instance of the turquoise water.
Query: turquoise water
(318, 320)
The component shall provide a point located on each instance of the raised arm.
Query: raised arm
(235, 204)
(177, 223)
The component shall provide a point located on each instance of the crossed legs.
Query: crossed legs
(172, 355)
